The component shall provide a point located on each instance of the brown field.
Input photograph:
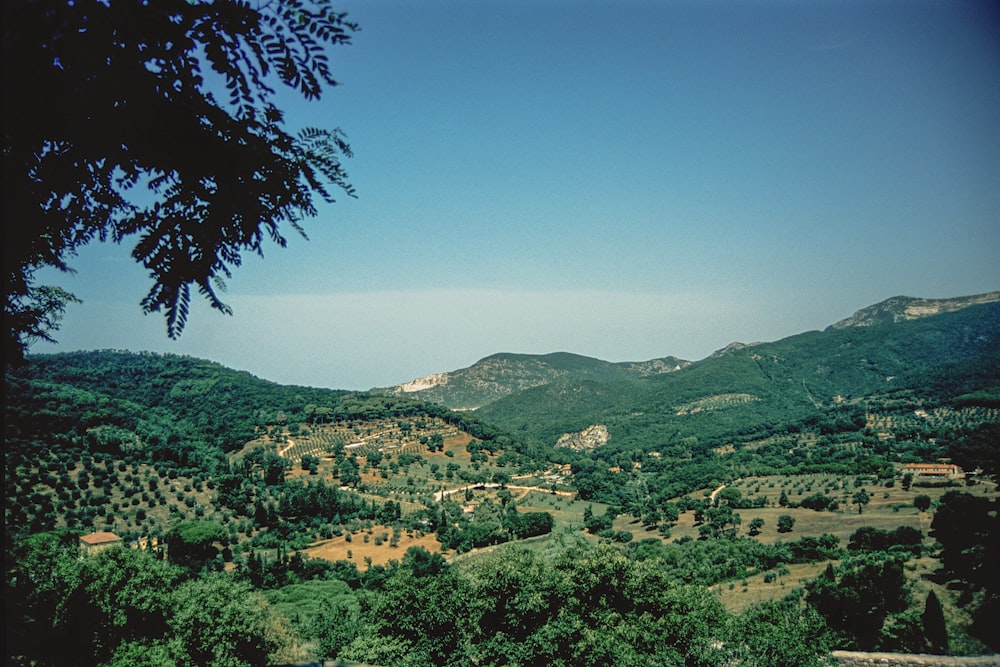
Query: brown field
(338, 548)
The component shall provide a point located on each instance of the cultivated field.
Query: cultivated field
(888, 508)
(364, 551)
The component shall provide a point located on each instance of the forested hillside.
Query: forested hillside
(122, 420)
(751, 508)
(501, 375)
(748, 388)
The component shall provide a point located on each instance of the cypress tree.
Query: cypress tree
(935, 630)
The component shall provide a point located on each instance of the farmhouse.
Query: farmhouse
(949, 470)
(98, 542)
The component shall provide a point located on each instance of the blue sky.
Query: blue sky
(624, 180)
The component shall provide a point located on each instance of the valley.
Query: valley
(765, 482)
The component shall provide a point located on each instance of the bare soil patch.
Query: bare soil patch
(358, 551)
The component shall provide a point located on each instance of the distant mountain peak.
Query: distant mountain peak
(902, 308)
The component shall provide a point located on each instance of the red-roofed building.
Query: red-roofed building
(933, 469)
(98, 542)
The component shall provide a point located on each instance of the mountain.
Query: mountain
(500, 375)
(753, 388)
(902, 308)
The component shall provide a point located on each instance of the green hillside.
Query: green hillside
(748, 389)
(97, 440)
(500, 375)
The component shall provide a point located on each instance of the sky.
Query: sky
(624, 180)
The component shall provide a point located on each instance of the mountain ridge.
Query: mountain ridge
(902, 308)
(753, 388)
(503, 374)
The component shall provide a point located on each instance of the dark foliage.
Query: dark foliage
(857, 597)
(904, 538)
(155, 123)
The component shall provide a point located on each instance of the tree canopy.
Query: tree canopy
(156, 124)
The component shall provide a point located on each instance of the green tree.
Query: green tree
(669, 623)
(192, 544)
(857, 597)
(39, 571)
(671, 513)
(335, 626)
(966, 526)
(755, 525)
(721, 517)
(223, 623)
(310, 463)
(422, 563)
(778, 633)
(425, 614)
(922, 502)
(379, 649)
(514, 593)
(785, 523)
(729, 496)
(172, 138)
(527, 524)
(597, 524)
(907, 481)
(124, 596)
(860, 498)
(147, 653)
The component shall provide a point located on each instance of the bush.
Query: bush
(818, 502)
(868, 538)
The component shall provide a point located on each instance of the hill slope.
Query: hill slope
(745, 388)
(501, 375)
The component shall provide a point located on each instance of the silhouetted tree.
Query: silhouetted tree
(156, 122)
(935, 630)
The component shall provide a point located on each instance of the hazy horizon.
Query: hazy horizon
(623, 181)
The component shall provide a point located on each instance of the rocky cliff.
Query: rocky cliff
(900, 308)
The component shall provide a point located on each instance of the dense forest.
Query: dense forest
(221, 482)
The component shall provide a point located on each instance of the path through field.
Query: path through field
(291, 443)
(711, 498)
